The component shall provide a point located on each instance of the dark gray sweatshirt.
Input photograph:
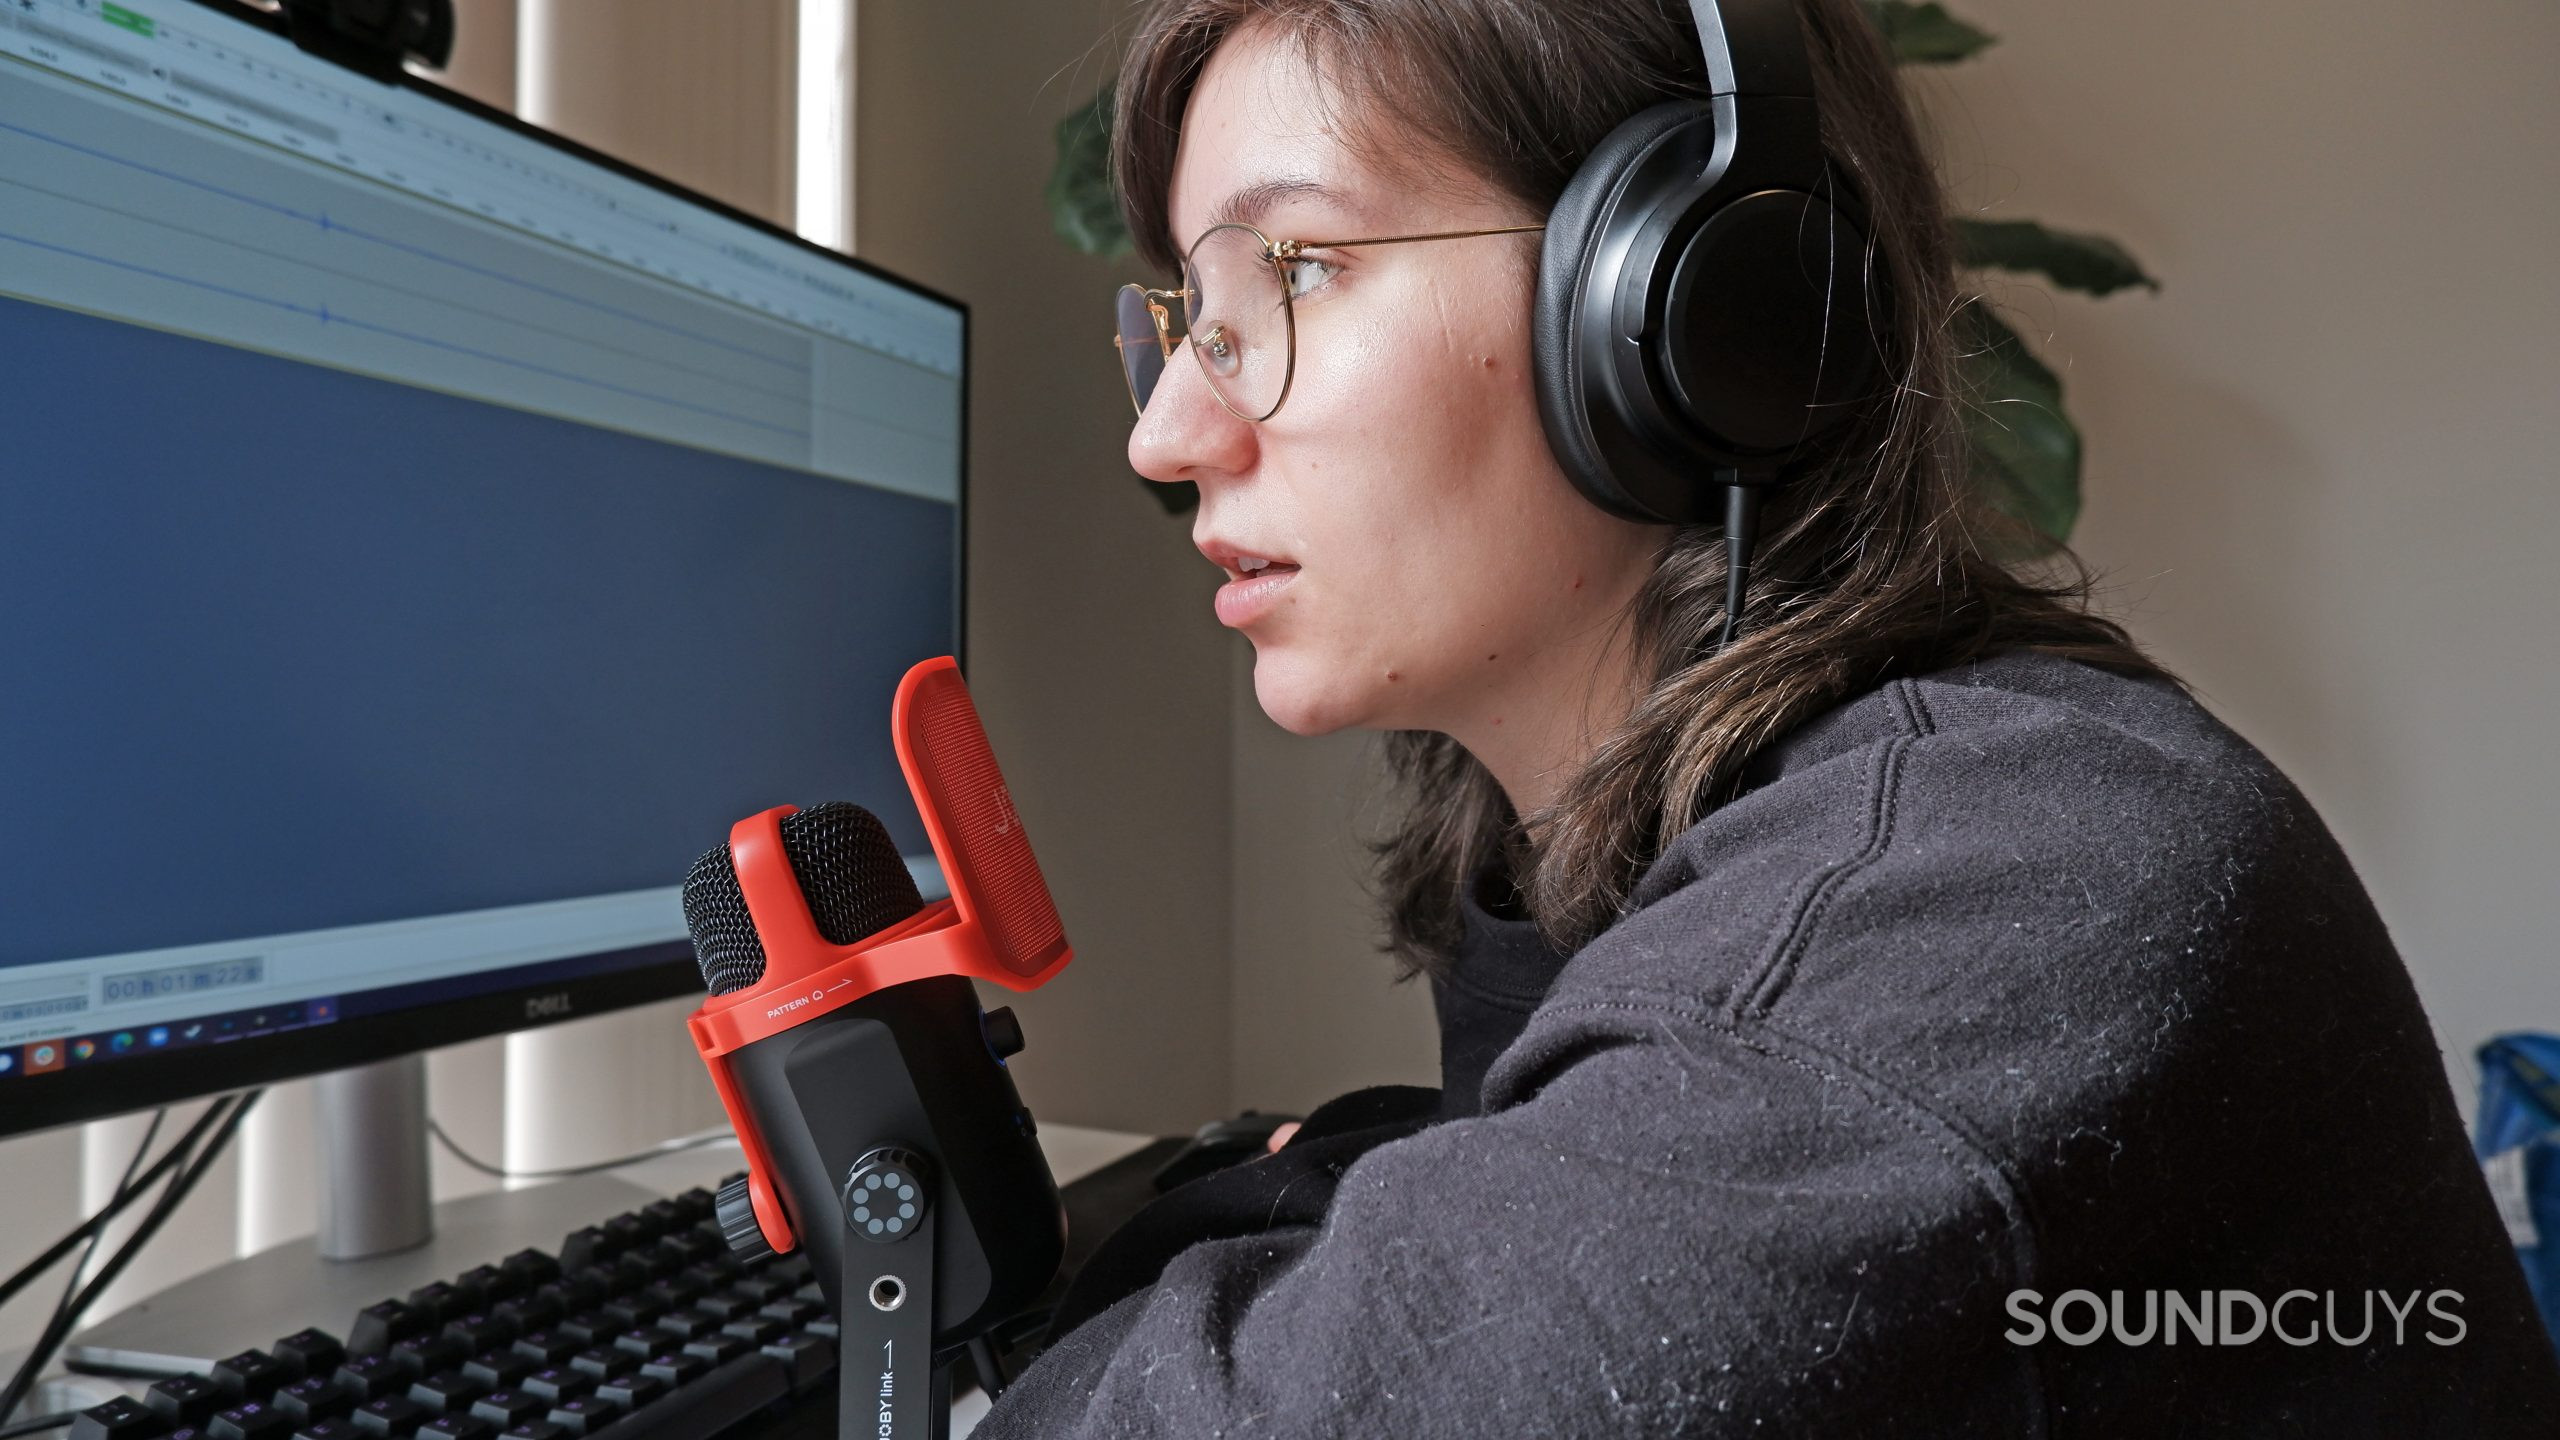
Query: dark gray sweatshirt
(2005, 995)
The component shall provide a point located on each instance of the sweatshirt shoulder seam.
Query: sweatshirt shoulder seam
(1759, 991)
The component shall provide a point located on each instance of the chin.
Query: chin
(1305, 695)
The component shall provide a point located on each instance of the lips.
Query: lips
(1244, 562)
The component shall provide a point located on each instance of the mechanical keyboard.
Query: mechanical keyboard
(642, 1326)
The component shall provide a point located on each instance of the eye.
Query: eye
(1307, 274)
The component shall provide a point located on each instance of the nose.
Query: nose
(1184, 433)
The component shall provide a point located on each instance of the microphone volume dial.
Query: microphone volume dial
(736, 1210)
(1003, 1032)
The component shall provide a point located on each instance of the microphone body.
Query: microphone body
(869, 1089)
(909, 1067)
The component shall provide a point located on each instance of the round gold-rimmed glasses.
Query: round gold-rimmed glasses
(1237, 285)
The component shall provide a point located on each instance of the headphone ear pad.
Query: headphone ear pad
(1564, 252)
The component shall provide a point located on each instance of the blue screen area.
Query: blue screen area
(418, 542)
(290, 648)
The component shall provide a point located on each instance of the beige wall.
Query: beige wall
(1092, 652)
(2319, 461)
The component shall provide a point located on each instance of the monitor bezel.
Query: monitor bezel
(138, 1082)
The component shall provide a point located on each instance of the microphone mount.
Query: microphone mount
(373, 37)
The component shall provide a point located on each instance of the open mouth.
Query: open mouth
(1254, 567)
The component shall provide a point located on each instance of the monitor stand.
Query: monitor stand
(379, 1238)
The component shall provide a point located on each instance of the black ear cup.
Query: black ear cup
(1765, 339)
(1564, 254)
(1702, 310)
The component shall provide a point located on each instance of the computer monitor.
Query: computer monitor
(420, 537)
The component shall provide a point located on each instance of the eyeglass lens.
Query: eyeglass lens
(1235, 318)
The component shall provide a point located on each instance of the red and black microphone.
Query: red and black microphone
(882, 1132)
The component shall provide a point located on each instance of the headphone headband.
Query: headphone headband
(1753, 47)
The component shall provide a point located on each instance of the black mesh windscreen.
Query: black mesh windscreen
(849, 872)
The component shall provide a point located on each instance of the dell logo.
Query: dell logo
(546, 1007)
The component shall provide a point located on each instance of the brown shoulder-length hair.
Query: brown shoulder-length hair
(1876, 559)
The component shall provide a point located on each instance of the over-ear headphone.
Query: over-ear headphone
(1703, 304)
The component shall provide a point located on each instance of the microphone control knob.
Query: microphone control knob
(887, 1193)
(1003, 1031)
(736, 1210)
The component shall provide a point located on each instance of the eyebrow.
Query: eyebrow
(1248, 205)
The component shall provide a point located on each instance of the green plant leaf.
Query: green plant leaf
(2091, 264)
(1081, 205)
(1926, 34)
(2025, 450)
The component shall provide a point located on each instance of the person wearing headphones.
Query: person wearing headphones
(1875, 997)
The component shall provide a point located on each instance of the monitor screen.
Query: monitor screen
(419, 539)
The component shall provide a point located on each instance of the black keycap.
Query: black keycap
(593, 1328)
(548, 1347)
(633, 1228)
(667, 1215)
(692, 1244)
(632, 1391)
(506, 1407)
(458, 1427)
(575, 1291)
(184, 1399)
(439, 1302)
(251, 1375)
(531, 1268)
(381, 1325)
(624, 1274)
(533, 1430)
(476, 1332)
(556, 1383)
(604, 1364)
(498, 1368)
(366, 1377)
(715, 1271)
(250, 1420)
(445, 1392)
(487, 1285)
(391, 1415)
(640, 1340)
(794, 1310)
(756, 1329)
(761, 1287)
(690, 1324)
(641, 1309)
(823, 1326)
(674, 1367)
(587, 1245)
(118, 1419)
(809, 1359)
(584, 1415)
(336, 1427)
(530, 1312)
(696, 1205)
(718, 1349)
(729, 1306)
(314, 1397)
(308, 1352)
(426, 1354)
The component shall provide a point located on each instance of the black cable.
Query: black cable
(500, 1172)
(124, 1187)
(1741, 532)
(107, 1213)
(232, 1112)
(41, 1422)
